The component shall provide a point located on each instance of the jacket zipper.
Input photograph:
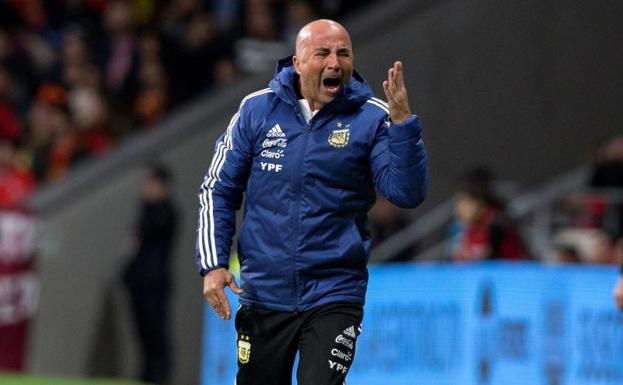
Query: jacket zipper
(297, 211)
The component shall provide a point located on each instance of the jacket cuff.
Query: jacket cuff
(408, 130)
(203, 272)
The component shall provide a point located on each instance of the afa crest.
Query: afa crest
(339, 138)
(244, 349)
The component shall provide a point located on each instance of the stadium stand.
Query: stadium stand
(76, 77)
(492, 90)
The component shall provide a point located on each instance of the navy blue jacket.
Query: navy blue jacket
(304, 239)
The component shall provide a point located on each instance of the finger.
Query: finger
(234, 286)
(217, 307)
(225, 309)
(393, 69)
(390, 79)
(215, 303)
(398, 69)
(386, 89)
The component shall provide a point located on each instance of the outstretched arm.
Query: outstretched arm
(398, 158)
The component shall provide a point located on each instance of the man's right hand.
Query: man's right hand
(618, 293)
(214, 291)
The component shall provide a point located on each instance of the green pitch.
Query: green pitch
(27, 380)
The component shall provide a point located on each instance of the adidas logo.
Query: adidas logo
(275, 132)
(350, 331)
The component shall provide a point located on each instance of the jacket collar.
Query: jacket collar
(353, 94)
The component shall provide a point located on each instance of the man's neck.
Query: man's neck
(313, 105)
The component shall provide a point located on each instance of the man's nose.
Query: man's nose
(332, 62)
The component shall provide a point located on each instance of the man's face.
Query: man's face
(153, 189)
(468, 208)
(324, 62)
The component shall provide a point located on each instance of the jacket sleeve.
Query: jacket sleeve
(399, 162)
(221, 192)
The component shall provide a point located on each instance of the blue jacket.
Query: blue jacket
(304, 239)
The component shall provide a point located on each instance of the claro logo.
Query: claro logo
(340, 354)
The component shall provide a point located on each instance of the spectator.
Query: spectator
(261, 47)
(17, 281)
(176, 16)
(299, 13)
(567, 254)
(604, 252)
(152, 99)
(75, 57)
(18, 291)
(197, 52)
(608, 169)
(150, 46)
(120, 58)
(591, 245)
(55, 141)
(16, 183)
(18, 65)
(227, 13)
(10, 127)
(65, 148)
(147, 275)
(225, 72)
(607, 173)
(89, 114)
(482, 229)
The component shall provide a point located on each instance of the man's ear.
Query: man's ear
(297, 64)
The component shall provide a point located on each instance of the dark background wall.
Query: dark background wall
(529, 88)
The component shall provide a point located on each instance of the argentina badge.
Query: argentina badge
(244, 349)
(339, 138)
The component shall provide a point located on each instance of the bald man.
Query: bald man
(307, 154)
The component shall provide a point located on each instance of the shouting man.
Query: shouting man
(307, 153)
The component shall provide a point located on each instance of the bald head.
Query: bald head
(323, 61)
(319, 29)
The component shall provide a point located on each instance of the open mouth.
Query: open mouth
(332, 84)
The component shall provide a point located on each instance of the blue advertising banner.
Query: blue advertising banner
(472, 324)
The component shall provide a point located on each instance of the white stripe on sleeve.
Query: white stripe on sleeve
(206, 243)
(379, 105)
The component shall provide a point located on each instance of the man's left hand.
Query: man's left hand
(396, 94)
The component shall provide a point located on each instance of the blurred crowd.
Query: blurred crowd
(588, 226)
(585, 226)
(482, 228)
(77, 76)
